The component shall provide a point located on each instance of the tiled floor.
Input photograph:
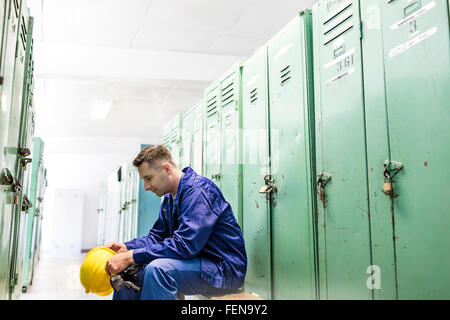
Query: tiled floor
(58, 278)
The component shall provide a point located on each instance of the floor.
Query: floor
(58, 278)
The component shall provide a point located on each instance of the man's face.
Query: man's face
(156, 178)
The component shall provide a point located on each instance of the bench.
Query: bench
(228, 295)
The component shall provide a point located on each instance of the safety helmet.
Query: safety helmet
(93, 276)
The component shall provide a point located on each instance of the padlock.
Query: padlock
(387, 187)
(263, 189)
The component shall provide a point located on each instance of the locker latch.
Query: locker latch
(391, 169)
(6, 178)
(322, 180)
(26, 204)
(24, 152)
(268, 187)
(216, 176)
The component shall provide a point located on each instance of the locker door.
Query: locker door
(175, 139)
(197, 144)
(291, 104)
(383, 273)
(343, 211)
(256, 174)
(187, 132)
(9, 43)
(231, 164)
(416, 52)
(213, 135)
(7, 200)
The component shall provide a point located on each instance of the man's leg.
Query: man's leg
(165, 278)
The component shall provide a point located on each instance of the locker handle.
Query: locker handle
(322, 180)
(216, 176)
(6, 178)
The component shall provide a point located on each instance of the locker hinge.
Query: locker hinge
(360, 29)
(14, 280)
(322, 180)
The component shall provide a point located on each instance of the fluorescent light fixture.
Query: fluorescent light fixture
(101, 109)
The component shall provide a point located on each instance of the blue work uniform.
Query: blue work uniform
(197, 228)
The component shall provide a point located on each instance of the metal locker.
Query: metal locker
(213, 137)
(197, 139)
(166, 135)
(187, 137)
(8, 185)
(21, 129)
(381, 275)
(291, 112)
(231, 118)
(417, 68)
(35, 197)
(101, 216)
(343, 209)
(256, 179)
(175, 139)
(148, 205)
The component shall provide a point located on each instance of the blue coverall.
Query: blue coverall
(195, 247)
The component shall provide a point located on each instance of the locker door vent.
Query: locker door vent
(23, 34)
(227, 94)
(285, 75)
(338, 22)
(16, 8)
(211, 106)
(254, 95)
(174, 133)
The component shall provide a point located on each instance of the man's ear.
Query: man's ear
(166, 167)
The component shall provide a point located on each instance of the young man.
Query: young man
(195, 246)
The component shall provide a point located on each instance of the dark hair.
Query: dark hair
(153, 154)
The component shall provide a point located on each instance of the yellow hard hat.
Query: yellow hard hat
(93, 276)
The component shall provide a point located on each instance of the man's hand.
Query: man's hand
(119, 262)
(117, 247)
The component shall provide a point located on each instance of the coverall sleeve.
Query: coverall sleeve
(159, 231)
(196, 219)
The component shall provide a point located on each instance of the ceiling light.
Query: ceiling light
(101, 109)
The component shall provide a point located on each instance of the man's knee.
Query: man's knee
(159, 266)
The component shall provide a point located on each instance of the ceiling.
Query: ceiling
(150, 59)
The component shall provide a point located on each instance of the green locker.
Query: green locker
(231, 124)
(37, 227)
(213, 136)
(101, 210)
(148, 205)
(166, 135)
(256, 175)
(343, 209)
(197, 139)
(292, 157)
(139, 209)
(384, 287)
(175, 139)
(35, 195)
(187, 133)
(122, 236)
(9, 195)
(21, 141)
(416, 54)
